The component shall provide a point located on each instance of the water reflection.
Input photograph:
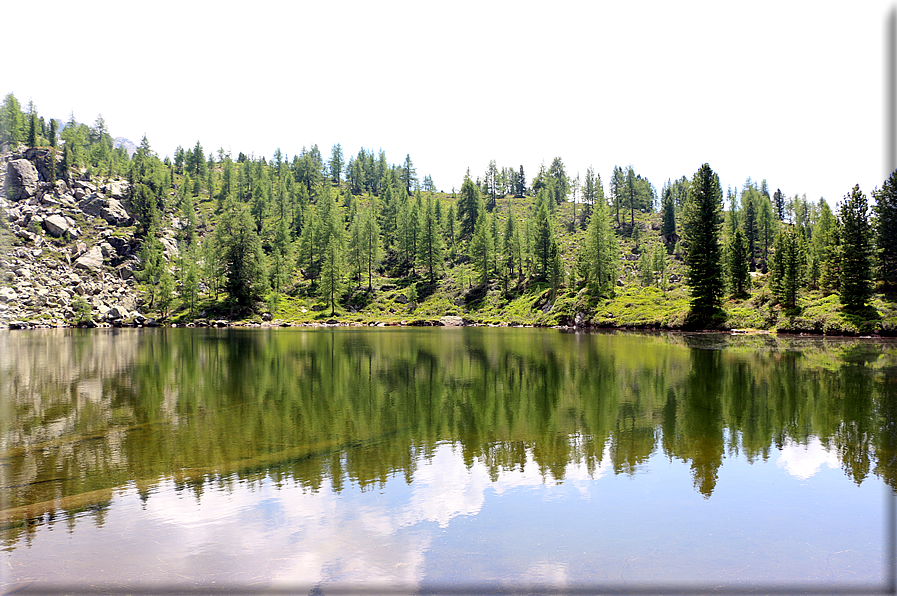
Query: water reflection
(286, 426)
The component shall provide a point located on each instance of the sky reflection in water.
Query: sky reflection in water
(455, 526)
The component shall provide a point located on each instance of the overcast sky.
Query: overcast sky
(787, 91)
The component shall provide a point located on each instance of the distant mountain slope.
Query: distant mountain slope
(129, 145)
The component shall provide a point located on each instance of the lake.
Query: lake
(445, 460)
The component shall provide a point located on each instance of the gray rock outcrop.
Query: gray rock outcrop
(21, 180)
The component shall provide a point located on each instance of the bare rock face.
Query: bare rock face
(21, 180)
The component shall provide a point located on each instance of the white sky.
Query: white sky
(787, 91)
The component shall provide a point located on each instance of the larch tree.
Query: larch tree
(600, 253)
(481, 245)
(431, 246)
(468, 206)
(701, 235)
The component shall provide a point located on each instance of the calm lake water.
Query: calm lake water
(448, 459)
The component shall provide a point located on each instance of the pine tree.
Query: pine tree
(779, 200)
(788, 267)
(886, 232)
(32, 129)
(513, 260)
(738, 264)
(701, 235)
(668, 228)
(856, 270)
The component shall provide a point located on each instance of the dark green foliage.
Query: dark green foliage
(779, 203)
(558, 175)
(336, 163)
(242, 256)
(701, 235)
(738, 265)
(543, 232)
(668, 227)
(788, 266)
(468, 206)
(856, 267)
(886, 232)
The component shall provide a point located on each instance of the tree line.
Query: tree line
(327, 226)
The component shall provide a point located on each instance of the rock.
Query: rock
(21, 179)
(84, 185)
(451, 321)
(579, 319)
(170, 246)
(8, 295)
(91, 260)
(267, 316)
(402, 299)
(117, 190)
(57, 225)
(110, 210)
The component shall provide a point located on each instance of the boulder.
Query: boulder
(21, 179)
(452, 321)
(58, 225)
(91, 260)
(8, 295)
(110, 210)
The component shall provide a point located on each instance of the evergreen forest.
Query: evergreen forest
(336, 236)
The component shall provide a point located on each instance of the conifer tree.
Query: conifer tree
(431, 246)
(856, 270)
(281, 258)
(189, 289)
(543, 231)
(152, 265)
(513, 259)
(600, 253)
(700, 227)
(555, 267)
(332, 281)
(370, 237)
(468, 206)
(738, 264)
(788, 266)
(668, 228)
(32, 129)
(886, 232)
(242, 256)
(830, 277)
(481, 246)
